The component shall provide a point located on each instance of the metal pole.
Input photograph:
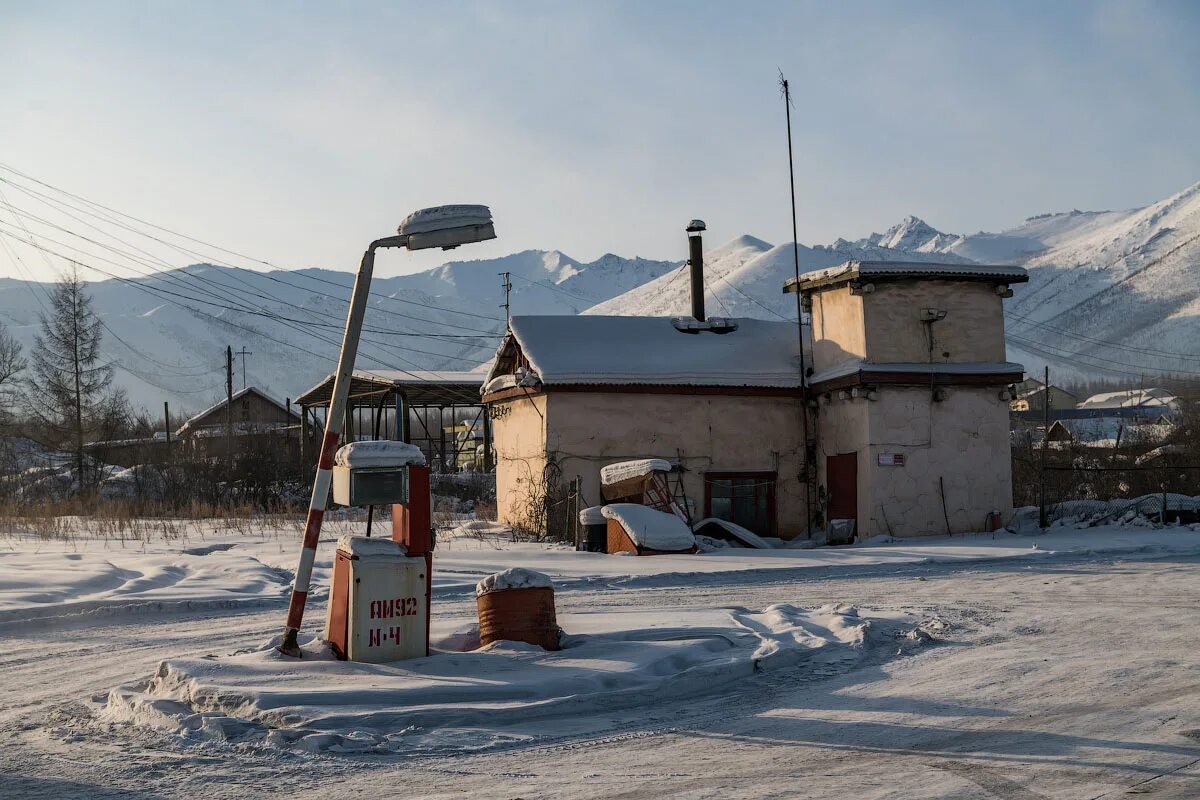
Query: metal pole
(1042, 518)
(303, 437)
(329, 445)
(808, 449)
(167, 426)
(228, 409)
(488, 466)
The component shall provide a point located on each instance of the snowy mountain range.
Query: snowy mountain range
(1112, 294)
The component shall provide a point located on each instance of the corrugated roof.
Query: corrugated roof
(1130, 398)
(650, 351)
(420, 387)
(920, 367)
(854, 270)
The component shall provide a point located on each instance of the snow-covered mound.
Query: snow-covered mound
(651, 528)
(504, 692)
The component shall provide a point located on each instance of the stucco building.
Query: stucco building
(568, 395)
(905, 406)
(910, 385)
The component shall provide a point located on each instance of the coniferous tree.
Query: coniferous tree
(69, 383)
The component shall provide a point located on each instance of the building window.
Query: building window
(744, 498)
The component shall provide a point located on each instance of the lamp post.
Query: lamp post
(446, 227)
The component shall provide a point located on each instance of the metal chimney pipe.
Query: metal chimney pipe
(696, 262)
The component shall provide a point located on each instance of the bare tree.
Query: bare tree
(11, 365)
(68, 385)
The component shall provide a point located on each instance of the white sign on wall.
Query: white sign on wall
(891, 459)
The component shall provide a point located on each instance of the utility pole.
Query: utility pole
(507, 287)
(229, 408)
(243, 353)
(167, 426)
(1042, 520)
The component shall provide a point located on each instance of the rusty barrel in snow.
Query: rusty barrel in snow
(517, 605)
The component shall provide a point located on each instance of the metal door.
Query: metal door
(841, 473)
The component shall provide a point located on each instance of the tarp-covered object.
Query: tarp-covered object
(729, 531)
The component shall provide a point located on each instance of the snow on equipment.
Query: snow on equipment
(378, 608)
(639, 529)
(445, 227)
(517, 605)
(643, 481)
(373, 473)
(379, 602)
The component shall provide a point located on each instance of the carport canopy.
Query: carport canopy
(416, 388)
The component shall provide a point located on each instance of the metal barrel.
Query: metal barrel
(518, 615)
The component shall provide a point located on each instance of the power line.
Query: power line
(1105, 363)
(174, 274)
(252, 310)
(158, 292)
(199, 254)
(1107, 343)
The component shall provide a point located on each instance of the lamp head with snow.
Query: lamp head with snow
(446, 227)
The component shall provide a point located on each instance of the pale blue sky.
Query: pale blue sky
(299, 131)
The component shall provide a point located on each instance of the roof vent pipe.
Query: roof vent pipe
(696, 262)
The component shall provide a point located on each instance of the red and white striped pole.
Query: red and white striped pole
(329, 446)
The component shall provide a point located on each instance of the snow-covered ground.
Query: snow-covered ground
(965, 667)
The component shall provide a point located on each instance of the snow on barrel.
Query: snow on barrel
(595, 527)
(517, 605)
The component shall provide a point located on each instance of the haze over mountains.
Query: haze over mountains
(1112, 294)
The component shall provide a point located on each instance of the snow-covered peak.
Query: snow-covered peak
(912, 234)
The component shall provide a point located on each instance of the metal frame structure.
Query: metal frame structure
(377, 402)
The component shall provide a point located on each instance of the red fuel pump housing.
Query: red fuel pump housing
(412, 526)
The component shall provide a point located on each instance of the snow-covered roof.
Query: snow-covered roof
(249, 390)
(650, 351)
(418, 376)
(1130, 398)
(923, 368)
(420, 387)
(855, 270)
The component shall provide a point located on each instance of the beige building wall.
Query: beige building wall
(706, 433)
(519, 438)
(973, 329)
(838, 329)
(960, 443)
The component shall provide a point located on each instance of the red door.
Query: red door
(841, 473)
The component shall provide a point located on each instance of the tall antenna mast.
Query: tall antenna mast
(809, 450)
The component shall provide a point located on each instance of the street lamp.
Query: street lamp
(446, 227)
